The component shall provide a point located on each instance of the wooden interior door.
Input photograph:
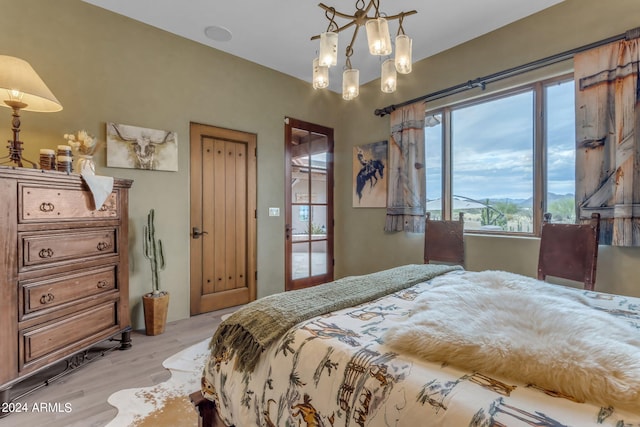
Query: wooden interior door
(223, 218)
(309, 204)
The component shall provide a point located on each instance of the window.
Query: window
(303, 213)
(493, 161)
(561, 152)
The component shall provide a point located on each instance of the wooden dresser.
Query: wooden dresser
(64, 271)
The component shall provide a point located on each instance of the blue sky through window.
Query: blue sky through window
(492, 158)
(493, 147)
(561, 153)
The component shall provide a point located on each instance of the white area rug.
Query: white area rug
(167, 403)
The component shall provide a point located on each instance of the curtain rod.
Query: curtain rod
(483, 81)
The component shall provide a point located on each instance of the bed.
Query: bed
(431, 346)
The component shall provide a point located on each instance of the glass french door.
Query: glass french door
(309, 204)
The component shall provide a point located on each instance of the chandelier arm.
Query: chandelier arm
(332, 19)
(349, 50)
(344, 27)
(400, 27)
(375, 3)
(368, 8)
(403, 14)
(332, 10)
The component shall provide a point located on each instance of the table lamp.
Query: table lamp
(26, 91)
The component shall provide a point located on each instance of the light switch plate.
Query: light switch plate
(274, 211)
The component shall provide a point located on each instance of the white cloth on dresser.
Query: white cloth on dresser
(100, 186)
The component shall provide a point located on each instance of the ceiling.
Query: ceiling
(277, 33)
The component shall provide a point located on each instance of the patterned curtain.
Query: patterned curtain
(406, 185)
(608, 140)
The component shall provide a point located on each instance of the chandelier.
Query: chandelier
(378, 39)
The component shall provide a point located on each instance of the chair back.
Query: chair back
(444, 240)
(569, 251)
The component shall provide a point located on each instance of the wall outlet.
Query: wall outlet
(274, 211)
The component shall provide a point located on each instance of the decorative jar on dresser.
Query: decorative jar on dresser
(64, 279)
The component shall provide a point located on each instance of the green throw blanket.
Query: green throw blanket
(248, 331)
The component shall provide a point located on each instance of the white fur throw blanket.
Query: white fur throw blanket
(526, 330)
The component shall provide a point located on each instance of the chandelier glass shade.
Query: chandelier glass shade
(350, 84)
(378, 41)
(403, 54)
(378, 36)
(389, 76)
(328, 56)
(320, 75)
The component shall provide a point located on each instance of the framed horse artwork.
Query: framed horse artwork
(369, 175)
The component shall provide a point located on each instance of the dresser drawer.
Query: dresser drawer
(74, 245)
(50, 293)
(62, 204)
(73, 332)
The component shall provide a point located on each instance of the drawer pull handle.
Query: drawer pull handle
(46, 299)
(103, 246)
(47, 207)
(102, 284)
(45, 253)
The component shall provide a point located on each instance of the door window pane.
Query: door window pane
(318, 186)
(300, 184)
(319, 160)
(318, 258)
(300, 229)
(300, 155)
(300, 260)
(318, 227)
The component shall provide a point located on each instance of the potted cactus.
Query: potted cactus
(156, 302)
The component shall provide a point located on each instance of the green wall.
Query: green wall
(104, 67)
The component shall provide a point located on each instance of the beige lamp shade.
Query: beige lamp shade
(17, 75)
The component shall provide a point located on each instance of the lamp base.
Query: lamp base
(15, 155)
(15, 145)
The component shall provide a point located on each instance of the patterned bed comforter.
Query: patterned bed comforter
(335, 370)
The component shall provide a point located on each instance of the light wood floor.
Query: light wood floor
(87, 389)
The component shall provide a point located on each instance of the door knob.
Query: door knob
(196, 233)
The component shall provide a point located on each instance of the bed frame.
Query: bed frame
(207, 413)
